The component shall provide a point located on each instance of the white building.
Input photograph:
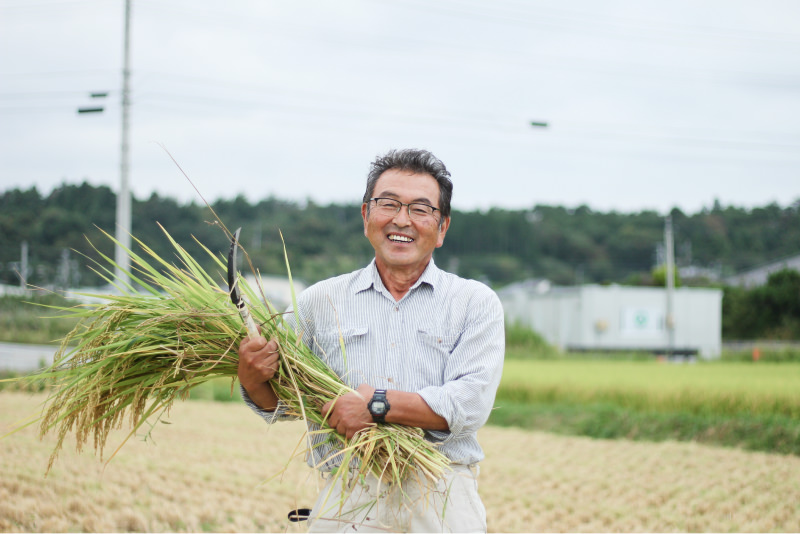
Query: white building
(608, 318)
(277, 289)
(759, 276)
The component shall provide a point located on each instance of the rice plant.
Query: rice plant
(171, 328)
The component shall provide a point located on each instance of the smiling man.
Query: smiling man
(424, 348)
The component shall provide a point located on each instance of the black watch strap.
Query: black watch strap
(378, 406)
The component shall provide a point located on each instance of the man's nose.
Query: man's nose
(402, 217)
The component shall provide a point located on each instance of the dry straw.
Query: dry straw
(173, 328)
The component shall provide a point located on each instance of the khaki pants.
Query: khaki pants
(451, 505)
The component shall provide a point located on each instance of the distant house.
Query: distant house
(759, 275)
(608, 318)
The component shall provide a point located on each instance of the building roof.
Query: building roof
(760, 275)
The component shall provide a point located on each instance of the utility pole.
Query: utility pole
(63, 278)
(23, 266)
(124, 218)
(670, 283)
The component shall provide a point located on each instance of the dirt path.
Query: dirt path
(209, 471)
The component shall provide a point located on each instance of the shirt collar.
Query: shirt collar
(370, 278)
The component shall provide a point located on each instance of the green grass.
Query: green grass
(525, 344)
(765, 355)
(25, 320)
(775, 433)
(218, 389)
(9, 381)
(749, 405)
(702, 388)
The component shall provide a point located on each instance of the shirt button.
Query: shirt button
(397, 308)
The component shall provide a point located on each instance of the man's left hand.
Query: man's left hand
(348, 414)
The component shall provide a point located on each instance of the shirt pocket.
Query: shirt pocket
(352, 364)
(435, 349)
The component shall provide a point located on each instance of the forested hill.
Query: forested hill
(498, 246)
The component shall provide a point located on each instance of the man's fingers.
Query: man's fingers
(258, 348)
(254, 344)
(271, 360)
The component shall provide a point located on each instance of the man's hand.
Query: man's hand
(258, 363)
(348, 414)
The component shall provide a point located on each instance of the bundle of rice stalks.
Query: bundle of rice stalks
(134, 354)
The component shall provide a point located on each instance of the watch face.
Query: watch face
(378, 407)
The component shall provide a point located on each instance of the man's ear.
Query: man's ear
(443, 226)
(364, 215)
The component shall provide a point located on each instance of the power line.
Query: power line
(602, 66)
(312, 107)
(36, 4)
(595, 66)
(572, 128)
(313, 103)
(594, 22)
(59, 73)
(35, 95)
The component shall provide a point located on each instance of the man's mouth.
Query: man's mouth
(400, 238)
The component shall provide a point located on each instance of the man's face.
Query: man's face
(400, 242)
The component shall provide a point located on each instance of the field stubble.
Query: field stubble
(209, 471)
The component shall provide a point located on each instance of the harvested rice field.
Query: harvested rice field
(214, 469)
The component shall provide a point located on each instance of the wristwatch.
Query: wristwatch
(379, 406)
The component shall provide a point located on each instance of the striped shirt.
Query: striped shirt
(444, 340)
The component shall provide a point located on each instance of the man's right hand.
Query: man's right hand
(258, 363)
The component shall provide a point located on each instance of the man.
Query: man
(423, 348)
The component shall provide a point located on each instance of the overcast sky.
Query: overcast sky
(649, 104)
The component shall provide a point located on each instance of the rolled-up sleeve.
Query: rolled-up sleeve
(472, 372)
(278, 414)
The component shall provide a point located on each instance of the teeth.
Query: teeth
(400, 238)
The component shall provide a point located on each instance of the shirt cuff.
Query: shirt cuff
(280, 413)
(439, 401)
(438, 436)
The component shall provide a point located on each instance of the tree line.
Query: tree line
(771, 311)
(63, 232)
(499, 246)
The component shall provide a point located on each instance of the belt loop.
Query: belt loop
(475, 469)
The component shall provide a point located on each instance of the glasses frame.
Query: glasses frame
(408, 208)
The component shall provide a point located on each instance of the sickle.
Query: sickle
(233, 287)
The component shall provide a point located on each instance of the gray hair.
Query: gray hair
(416, 161)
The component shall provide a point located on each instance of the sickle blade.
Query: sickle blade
(233, 287)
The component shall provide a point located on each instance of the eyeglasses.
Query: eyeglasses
(416, 210)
